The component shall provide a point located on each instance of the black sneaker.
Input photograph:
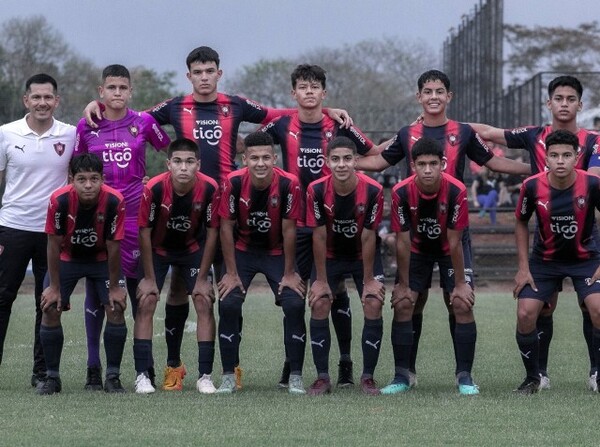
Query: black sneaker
(285, 375)
(345, 376)
(36, 379)
(528, 387)
(152, 376)
(94, 379)
(50, 386)
(112, 384)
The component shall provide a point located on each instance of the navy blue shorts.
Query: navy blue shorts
(304, 252)
(421, 271)
(188, 267)
(549, 275)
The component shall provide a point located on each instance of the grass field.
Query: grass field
(432, 414)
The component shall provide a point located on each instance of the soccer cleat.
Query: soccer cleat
(295, 385)
(544, 382)
(173, 380)
(205, 385)
(237, 371)
(152, 376)
(285, 375)
(320, 387)
(36, 379)
(50, 386)
(369, 387)
(412, 378)
(143, 384)
(227, 384)
(345, 376)
(113, 384)
(528, 387)
(93, 381)
(465, 384)
(395, 388)
(593, 382)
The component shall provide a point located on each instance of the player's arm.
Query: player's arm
(147, 285)
(474, 187)
(2, 175)
(290, 277)
(379, 148)
(523, 275)
(203, 288)
(51, 294)
(508, 166)
(401, 288)
(230, 279)
(116, 294)
(93, 112)
(371, 287)
(489, 133)
(462, 290)
(372, 163)
(320, 287)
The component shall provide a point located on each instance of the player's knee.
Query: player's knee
(321, 308)
(372, 307)
(231, 305)
(293, 308)
(526, 318)
(51, 317)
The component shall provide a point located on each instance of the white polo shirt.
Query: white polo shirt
(35, 165)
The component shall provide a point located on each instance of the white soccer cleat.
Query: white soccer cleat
(205, 385)
(412, 379)
(592, 382)
(544, 382)
(143, 385)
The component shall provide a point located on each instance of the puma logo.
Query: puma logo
(167, 207)
(295, 135)
(229, 338)
(346, 312)
(188, 110)
(329, 207)
(94, 313)
(545, 205)
(299, 338)
(21, 148)
(319, 344)
(171, 332)
(374, 345)
(526, 355)
(95, 132)
(245, 201)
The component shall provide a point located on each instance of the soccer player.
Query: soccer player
(303, 137)
(211, 119)
(85, 223)
(344, 209)
(34, 159)
(429, 214)
(564, 102)
(458, 140)
(120, 142)
(177, 207)
(259, 208)
(564, 200)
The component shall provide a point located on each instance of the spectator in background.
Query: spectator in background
(484, 191)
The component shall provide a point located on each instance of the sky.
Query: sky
(160, 34)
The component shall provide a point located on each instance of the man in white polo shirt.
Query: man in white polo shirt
(34, 158)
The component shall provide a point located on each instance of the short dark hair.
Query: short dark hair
(309, 73)
(341, 142)
(258, 138)
(565, 81)
(183, 144)
(115, 70)
(202, 54)
(433, 75)
(41, 78)
(85, 163)
(427, 146)
(562, 136)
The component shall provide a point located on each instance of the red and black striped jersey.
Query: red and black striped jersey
(565, 217)
(459, 140)
(259, 213)
(85, 230)
(344, 216)
(428, 217)
(214, 126)
(532, 139)
(178, 222)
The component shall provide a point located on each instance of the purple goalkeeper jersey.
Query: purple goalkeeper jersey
(121, 145)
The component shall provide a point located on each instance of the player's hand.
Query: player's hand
(342, 117)
(145, 180)
(228, 283)
(117, 296)
(203, 289)
(50, 296)
(594, 278)
(146, 288)
(465, 293)
(92, 113)
(294, 282)
(401, 292)
(373, 288)
(418, 120)
(522, 278)
(319, 289)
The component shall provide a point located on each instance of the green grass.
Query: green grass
(432, 414)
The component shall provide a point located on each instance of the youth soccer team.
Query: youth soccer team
(307, 226)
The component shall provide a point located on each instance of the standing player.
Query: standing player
(177, 207)
(85, 224)
(564, 102)
(429, 214)
(120, 142)
(344, 209)
(34, 159)
(260, 204)
(211, 119)
(458, 140)
(303, 137)
(564, 200)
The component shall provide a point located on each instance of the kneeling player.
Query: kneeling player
(260, 204)
(564, 200)
(85, 223)
(345, 209)
(429, 214)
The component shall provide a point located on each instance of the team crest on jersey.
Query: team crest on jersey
(443, 208)
(595, 147)
(100, 217)
(134, 131)
(580, 201)
(360, 208)
(59, 148)
(198, 206)
(452, 139)
(225, 110)
(274, 201)
(328, 135)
